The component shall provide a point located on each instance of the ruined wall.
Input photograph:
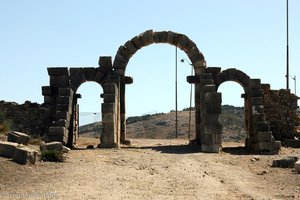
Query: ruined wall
(281, 112)
(30, 118)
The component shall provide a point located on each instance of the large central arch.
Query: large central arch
(126, 51)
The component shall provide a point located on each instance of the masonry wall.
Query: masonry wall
(281, 112)
(30, 118)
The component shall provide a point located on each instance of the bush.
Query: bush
(5, 127)
(52, 156)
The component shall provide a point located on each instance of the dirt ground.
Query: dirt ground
(152, 169)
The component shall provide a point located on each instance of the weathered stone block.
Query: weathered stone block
(183, 43)
(78, 73)
(263, 147)
(59, 81)
(64, 100)
(58, 71)
(63, 115)
(232, 74)
(256, 93)
(124, 52)
(108, 108)
(24, 155)
(211, 139)
(58, 138)
(193, 51)
(212, 103)
(171, 37)
(64, 107)
(47, 91)
(263, 136)
(211, 119)
(65, 92)
(109, 88)
(89, 73)
(212, 129)
(105, 61)
(51, 146)
(56, 130)
(255, 83)
(61, 123)
(49, 100)
(160, 37)
(128, 80)
(130, 46)
(261, 127)
(210, 148)
(18, 137)
(284, 163)
(99, 76)
(137, 42)
(7, 149)
(109, 98)
(147, 37)
(209, 88)
(193, 79)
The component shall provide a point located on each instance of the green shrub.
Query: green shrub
(52, 156)
(5, 127)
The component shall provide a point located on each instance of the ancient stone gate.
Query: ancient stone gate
(61, 97)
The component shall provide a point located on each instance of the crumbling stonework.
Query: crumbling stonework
(30, 118)
(281, 112)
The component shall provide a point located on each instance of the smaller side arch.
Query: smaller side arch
(235, 75)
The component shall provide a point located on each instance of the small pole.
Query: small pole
(176, 102)
(287, 44)
(295, 85)
(190, 113)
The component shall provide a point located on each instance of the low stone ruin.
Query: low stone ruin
(17, 149)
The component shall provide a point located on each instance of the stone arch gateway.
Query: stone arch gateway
(61, 97)
(126, 51)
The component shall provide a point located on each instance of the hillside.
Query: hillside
(162, 125)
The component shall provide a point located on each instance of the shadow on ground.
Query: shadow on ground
(236, 150)
(172, 149)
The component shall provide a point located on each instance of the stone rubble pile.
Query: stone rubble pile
(281, 112)
(28, 117)
(16, 148)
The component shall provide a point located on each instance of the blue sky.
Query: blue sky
(249, 35)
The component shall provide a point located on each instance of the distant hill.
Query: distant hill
(162, 125)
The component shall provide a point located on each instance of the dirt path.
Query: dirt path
(151, 169)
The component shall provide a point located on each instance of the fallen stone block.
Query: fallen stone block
(18, 137)
(24, 155)
(51, 146)
(53, 152)
(284, 163)
(7, 149)
(297, 166)
(66, 149)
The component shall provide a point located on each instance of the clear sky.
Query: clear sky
(249, 35)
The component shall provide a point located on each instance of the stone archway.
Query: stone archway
(126, 51)
(243, 80)
(61, 97)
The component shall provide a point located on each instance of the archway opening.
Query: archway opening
(232, 117)
(89, 115)
(151, 99)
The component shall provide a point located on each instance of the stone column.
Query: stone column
(211, 129)
(110, 137)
